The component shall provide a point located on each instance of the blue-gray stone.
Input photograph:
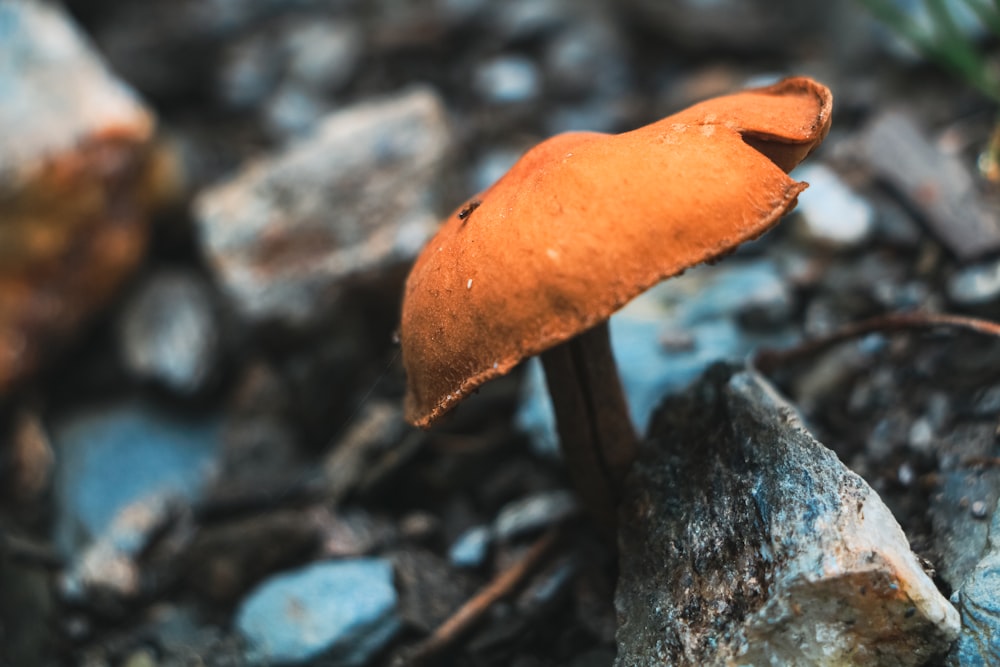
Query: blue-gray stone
(170, 331)
(344, 611)
(979, 605)
(112, 457)
(534, 512)
(975, 285)
(471, 547)
(508, 80)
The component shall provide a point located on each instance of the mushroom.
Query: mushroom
(580, 225)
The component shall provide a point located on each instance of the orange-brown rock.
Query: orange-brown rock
(75, 179)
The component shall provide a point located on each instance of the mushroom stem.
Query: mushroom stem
(595, 431)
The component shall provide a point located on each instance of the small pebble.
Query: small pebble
(533, 513)
(471, 547)
(830, 212)
(975, 285)
(343, 610)
(508, 80)
(169, 331)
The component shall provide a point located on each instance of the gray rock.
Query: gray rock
(323, 54)
(352, 198)
(111, 457)
(508, 80)
(934, 182)
(471, 547)
(344, 611)
(293, 111)
(960, 532)
(108, 566)
(975, 285)
(523, 19)
(588, 58)
(979, 605)
(534, 512)
(248, 72)
(169, 331)
(832, 214)
(746, 542)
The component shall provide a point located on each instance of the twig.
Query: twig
(476, 607)
(768, 360)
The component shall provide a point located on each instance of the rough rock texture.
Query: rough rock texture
(979, 604)
(74, 179)
(746, 542)
(352, 198)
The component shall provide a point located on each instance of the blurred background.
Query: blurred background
(207, 212)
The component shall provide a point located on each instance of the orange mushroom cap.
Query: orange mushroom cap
(584, 222)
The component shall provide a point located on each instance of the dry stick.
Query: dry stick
(473, 610)
(768, 360)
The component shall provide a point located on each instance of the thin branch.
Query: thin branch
(470, 613)
(768, 360)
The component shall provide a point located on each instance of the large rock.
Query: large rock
(746, 542)
(121, 457)
(75, 182)
(286, 232)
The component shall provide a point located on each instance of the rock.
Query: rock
(293, 112)
(323, 54)
(284, 233)
(975, 285)
(111, 457)
(508, 80)
(533, 513)
(979, 605)
(745, 541)
(518, 20)
(960, 532)
(470, 549)
(108, 567)
(588, 58)
(344, 611)
(76, 182)
(169, 332)
(703, 309)
(832, 214)
(937, 184)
